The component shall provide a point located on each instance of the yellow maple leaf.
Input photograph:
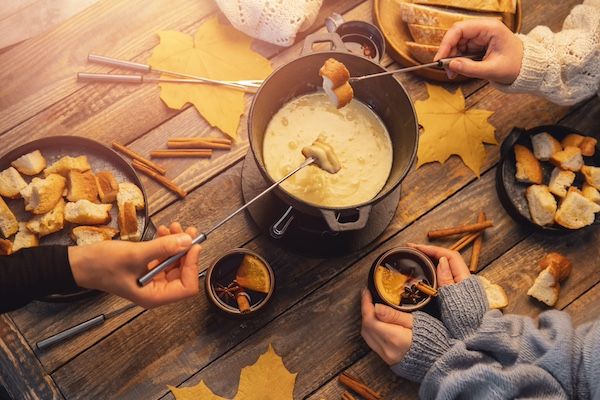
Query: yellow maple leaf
(266, 379)
(449, 128)
(218, 52)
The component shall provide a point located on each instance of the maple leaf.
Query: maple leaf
(218, 52)
(450, 129)
(266, 379)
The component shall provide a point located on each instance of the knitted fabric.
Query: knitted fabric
(564, 67)
(274, 21)
(462, 306)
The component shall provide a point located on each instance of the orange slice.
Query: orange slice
(390, 284)
(253, 275)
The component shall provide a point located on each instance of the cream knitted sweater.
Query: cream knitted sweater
(564, 67)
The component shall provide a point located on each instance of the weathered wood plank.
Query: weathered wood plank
(585, 308)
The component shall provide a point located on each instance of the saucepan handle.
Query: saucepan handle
(332, 219)
(323, 37)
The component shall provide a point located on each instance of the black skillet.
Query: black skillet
(512, 192)
(101, 158)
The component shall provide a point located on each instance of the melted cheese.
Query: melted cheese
(356, 134)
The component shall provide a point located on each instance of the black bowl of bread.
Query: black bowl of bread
(549, 178)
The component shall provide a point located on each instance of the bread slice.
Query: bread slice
(335, 82)
(495, 294)
(50, 222)
(41, 195)
(11, 183)
(542, 205)
(6, 247)
(559, 265)
(529, 169)
(68, 163)
(576, 211)
(25, 238)
(424, 53)
(82, 186)
(570, 158)
(107, 186)
(83, 235)
(545, 288)
(128, 222)
(560, 181)
(31, 163)
(592, 175)
(544, 146)
(84, 212)
(424, 34)
(8, 222)
(130, 193)
(434, 16)
(508, 6)
(591, 193)
(587, 144)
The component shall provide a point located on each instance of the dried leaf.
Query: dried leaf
(218, 52)
(450, 129)
(266, 379)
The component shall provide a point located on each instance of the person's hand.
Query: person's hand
(503, 50)
(451, 266)
(388, 332)
(113, 266)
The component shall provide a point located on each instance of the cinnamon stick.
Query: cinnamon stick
(243, 301)
(180, 153)
(161, 179)
(457, 230)
(136, 156)
(207, 139)
(465, 241)
(358, 386)
(426, 289)
(477, 247)
(197, 144)
(347, 396)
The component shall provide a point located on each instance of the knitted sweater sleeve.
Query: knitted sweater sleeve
(564, 67)
(462, 306)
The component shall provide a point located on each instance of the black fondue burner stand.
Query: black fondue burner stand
(306, 234)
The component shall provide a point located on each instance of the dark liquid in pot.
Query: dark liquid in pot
(224, 274)
(415, 273)
(361, 45)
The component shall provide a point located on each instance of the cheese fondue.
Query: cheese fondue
(357, 136)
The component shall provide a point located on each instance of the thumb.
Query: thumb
(165, 246)
(470, 68)
(444, 274)
(390, 316)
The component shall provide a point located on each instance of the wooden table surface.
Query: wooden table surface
(314, 318)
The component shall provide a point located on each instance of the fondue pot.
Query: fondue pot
(385, 96)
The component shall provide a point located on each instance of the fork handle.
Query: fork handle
(113, 62)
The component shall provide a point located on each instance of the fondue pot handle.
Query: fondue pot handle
(332, 219)
(323, 37)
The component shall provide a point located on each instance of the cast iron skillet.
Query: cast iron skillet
(512, 192)
(101, 158)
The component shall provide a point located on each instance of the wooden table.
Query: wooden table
(314, 318)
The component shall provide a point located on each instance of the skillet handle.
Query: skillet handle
(149, 232)
(323, 37)
(510, 141)
(335, 225)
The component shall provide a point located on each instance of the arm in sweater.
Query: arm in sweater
(564, 66)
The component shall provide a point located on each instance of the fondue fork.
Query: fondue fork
(143, 281)
(439, 64)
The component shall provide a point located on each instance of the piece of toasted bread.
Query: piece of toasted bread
(6, 247)
(107, 186)
(68, 163)
(560, 265)
(82, 186)
(587, 144)
(545, 288)
(576, 211)
(572, 140)
(50, 222)
(435, 16)
(592, 175)
(130, 193)
(31, 163)
(25, 238)
(424, 53)
(424, 34)
(544, 146)
(335, 82)
(591, 193)
(542, 205)
(83, 235)
(11, 183)
(569, 158)
(84, 212)
(560, 181)
(41, 195)
(495, 294)
(528, 167)
(508, 6)
(128, 222)
(8, 222)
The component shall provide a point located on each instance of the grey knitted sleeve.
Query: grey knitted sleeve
(462, 306)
